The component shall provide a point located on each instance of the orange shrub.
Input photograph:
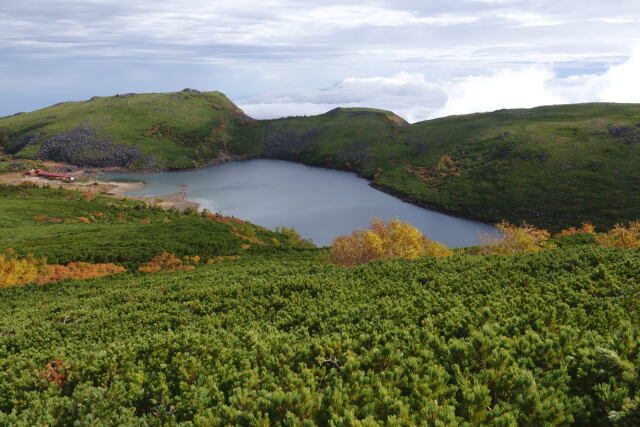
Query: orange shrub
(514, 239)
(55, 372)
(164, 262)
(83, 219)
(621, 236)
(587, 228)
(78, 270)
(385, 240)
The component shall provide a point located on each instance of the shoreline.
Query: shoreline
(179, 201)
(108, 188)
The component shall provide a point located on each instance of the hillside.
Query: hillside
(271, 334)
(69, 226)
(553, 166)
(139, 131)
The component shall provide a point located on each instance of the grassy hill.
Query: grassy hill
(553, 166)
(154, 131)
(277, 337)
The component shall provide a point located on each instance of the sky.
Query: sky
(419, 58)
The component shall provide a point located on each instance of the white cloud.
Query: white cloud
(618, 84)
(523, 19)
(407, 94)
(356, 16)
(508, 88)
(619, 20)
(415, 98)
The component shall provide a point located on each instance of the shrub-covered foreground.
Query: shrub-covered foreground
(69, 226)
(532, 339)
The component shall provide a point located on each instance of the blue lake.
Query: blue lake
(321, 204)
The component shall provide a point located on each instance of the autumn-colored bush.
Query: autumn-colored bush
(621, 237)
(513, 239)
(384, 240)
(221, 218)
(16, 271)
(83, 219)
(586, 228)
(77, 270)
(55, 372)
(164, 262)
(245, 231)
(293, 238)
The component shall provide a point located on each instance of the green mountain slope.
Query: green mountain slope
(553, 166)
(170, 130)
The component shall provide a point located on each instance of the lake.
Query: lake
(321, 204)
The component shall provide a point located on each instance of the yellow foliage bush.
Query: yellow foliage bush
(514, 239)
(16, 271)
(587, 228)
(164, 262)
(384, 240)
(621, 237)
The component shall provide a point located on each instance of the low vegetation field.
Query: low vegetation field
(280, 336)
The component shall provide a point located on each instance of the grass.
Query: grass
(49, 223)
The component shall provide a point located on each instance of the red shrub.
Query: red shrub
(55, 372)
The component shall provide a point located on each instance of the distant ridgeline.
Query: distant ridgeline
(554, 166)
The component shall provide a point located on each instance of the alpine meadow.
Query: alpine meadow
(389, 213)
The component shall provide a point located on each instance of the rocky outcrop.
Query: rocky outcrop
(83, 147)
(627, 135)
(22, 142)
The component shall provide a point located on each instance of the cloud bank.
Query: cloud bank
(414, 56)
(416, 98)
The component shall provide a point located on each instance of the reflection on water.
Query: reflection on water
(320, 204)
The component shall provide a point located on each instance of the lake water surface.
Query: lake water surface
(321, 204)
